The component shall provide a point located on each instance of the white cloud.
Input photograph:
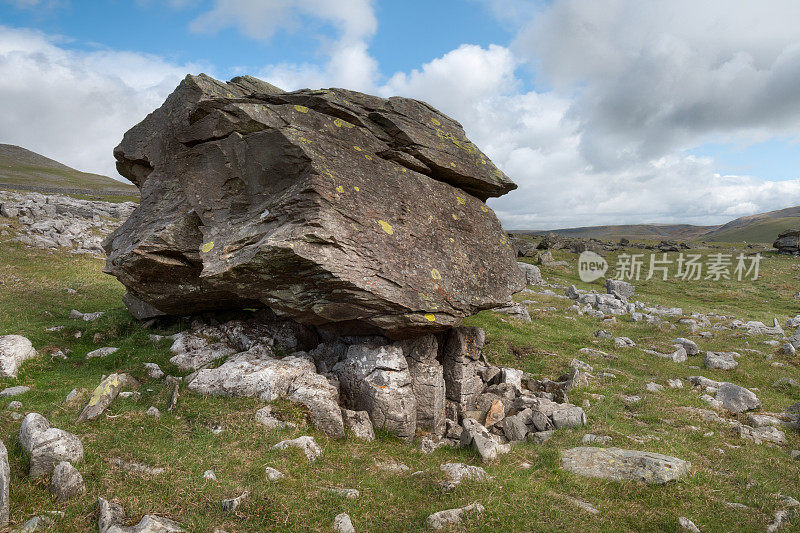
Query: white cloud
(74, 106)
(653, 77)
(349, 63)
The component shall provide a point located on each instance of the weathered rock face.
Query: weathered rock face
(329, 206)
(788, 242)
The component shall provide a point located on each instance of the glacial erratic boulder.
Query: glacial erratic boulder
(331, 207)
(788, 242)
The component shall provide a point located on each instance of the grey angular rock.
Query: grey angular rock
(101, 352)
(462, 363)
(687, 525)
(279, 199)
(14, 391)
(533, 276)
(66, 482)
(623, 288)
(458, 472)
(477, 437)
(47, 446)
(105, 394)
(737, 399)
(343, 524)
(14, 350)
(265, 418)
(257, 373)
(359, 423)
(376, 379)
(112, 516)
(568, 416)
(153, 371)
(305, 443)
(689, 345)
(230, 504)
(720, 360)
(450, 517)
(427, 381)
(624, 465)
(273, 474)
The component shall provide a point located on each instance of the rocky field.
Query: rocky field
(671, 406)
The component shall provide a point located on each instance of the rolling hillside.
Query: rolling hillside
(23, 169)
(758, 228)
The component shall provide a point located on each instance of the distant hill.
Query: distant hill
(761, 227)
(634, 231)
(23, 169)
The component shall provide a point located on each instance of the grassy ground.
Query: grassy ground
(725, 468)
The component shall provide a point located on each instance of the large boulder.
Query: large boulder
(332, 207)
(788, 241)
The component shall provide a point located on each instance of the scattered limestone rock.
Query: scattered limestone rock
(343, 524)
(737, 399)
(653, 387)
(689, 345)
(720, 360)
(623, 288)
(305, 443)
(66, 482)
(14, 349)
(105, 394)
(209, 475)
(14, 391)
(101, 352)
(231, 504)
(600, 439)
(624, 465)
(112, 516)
(476, 436)
(451, 517)
(350, 494)
(265, 417)
(46, 445)
(359, 423)
(86, 317)
(154, 412)
(257, 373)
(458, 472)
(687, 525)
(273, 474)
(154, 371)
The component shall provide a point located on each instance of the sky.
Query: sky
(602, 111)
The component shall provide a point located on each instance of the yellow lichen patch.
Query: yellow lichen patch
(385, 226)
(435, 274)
(503, 240)
(342, 123)
(230, 95)
(455, 217)
(452, 164)
(452, 239)
(301, 108)
(104, 388)
(430, 317)
(304, 140)
(358, 148)
(339, 189)
(355, 188)
(369, 157)
(484, 209)
(436, 122)
(207, 247)
(461, 200)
